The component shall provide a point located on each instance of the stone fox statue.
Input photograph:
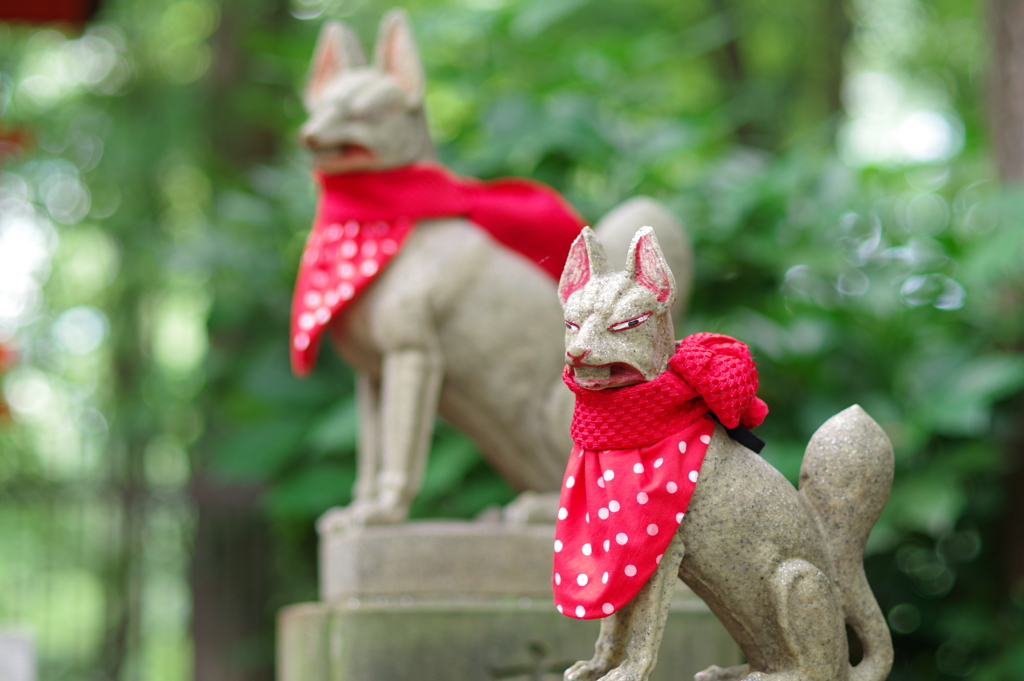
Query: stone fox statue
(656, 487)
(439, 290)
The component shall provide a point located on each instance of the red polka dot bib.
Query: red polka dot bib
(618, 511)
(363, 219)
(635, 465)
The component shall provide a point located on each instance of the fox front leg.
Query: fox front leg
(368, 453)
(410, 387)
(609, 649)
(368, 458)
(650, 611)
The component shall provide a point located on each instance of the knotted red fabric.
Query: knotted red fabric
(364, 218)
(636, 460)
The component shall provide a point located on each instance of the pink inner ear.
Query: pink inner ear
(650, 270)
(577, 270)
(328, 65)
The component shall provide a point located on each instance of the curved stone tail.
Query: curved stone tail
(846, 476)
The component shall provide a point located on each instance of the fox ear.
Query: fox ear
(337, 50)
(397, 55)
(586, 259)
(646, 265)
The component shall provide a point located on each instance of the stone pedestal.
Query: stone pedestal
(460, 601)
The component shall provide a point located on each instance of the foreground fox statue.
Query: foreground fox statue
(439, 290)
(657, 487)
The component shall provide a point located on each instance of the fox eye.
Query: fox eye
(630, 323)
(572, 325)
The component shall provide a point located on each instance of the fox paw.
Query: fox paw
(532, 508)
(716, 673)
(586, 670)
(360, 514)
(624, 674)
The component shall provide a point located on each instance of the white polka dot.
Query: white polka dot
(652, 529)
(570, 481)
(706, 439)
(580, 612)
(558, 545)
(558, 578)
(331, 298)
(682, 446)
(602, 513)
(562, 513)
(693, 476)
(346, 291)
(621, 538)
(609, 475)
(349, 249)
(389, 246)
(351, 228)
(587, 550)
(600, 482)
(657, 464)
(582, 580)
(657, 561)
(346, 270)
(369, 249)
(679, 517)
(320, 279)
(671, 487)
(613, 506)
(638, 468)
(587, 516)
(641, 498)
(607, 544)
(307, 321)
(301, 341)
(310, 257)
(312, 299)
(630, 570)
(607, 608)
(559, 608)
(368, 268)
(604, 578)
(323, 315)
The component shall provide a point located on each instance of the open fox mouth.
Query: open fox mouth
(614, 375)
(344, 152)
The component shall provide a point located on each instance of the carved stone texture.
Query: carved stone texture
(781, 568)
(457, 601)
(455, 322)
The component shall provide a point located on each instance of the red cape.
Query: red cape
(364, 218)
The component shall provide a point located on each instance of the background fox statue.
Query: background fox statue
(433, 312)
(642, 503)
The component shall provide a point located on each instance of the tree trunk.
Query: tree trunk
(1006, 101)
(1007, 87)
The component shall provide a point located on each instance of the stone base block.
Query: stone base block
(460, 601)
(525, 639)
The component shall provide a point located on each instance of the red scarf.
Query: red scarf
(364, 218)
(635, 465)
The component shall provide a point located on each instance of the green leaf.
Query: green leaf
(337, 430)
(312, 490)
(538, 15)
(258, 451)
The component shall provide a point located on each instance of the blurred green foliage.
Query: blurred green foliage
(856, 273)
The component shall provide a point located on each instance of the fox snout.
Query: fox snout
(574, 356)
